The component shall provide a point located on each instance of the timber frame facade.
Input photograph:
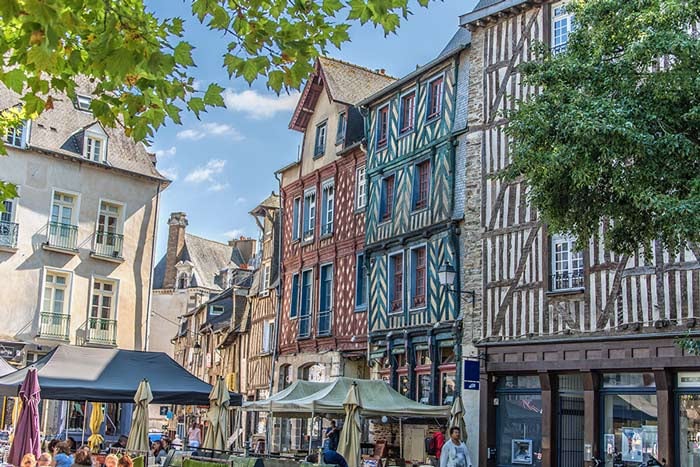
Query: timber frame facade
(578, 350)
(414, 331)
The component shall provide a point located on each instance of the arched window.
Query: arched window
(183, 281)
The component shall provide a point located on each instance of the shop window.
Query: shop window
(424, 388)
(571, 420)
(689, 419)
(519, 421)
(423, 357)
(403, 385)
(447, 355)
(447, 387)
(629, 380)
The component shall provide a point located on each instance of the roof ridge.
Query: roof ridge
(359, 67)
(207, 239)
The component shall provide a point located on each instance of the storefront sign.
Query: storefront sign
(471, 375)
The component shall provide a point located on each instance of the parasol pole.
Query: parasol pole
(313, 417)
(65, 424)
(400, 438)
(82, 437)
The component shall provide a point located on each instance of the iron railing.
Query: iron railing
(324, 323)
(101, 331)
(63, 236)
(566, 280)
(304, 326)
(8, 234)
(109, 244)
(54, 326)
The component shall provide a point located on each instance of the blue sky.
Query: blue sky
(224, 164)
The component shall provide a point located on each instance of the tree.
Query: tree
(613, 135)
(141, 66)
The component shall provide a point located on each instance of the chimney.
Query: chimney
(246, 246)
(176, 242)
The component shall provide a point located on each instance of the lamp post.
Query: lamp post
(446, 276)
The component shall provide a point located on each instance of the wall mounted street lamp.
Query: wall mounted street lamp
(197, 348)
(446, 276)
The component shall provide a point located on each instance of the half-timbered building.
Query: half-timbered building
(323, 325)
(578, 357)
(412, 229)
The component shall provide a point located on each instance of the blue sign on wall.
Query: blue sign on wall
(471, 375)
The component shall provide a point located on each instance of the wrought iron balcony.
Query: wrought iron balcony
(64, 236)
(109, 245)
(8, 234)
(304, 326)
(54, 326)
(100, 331)
(566, 280)
(324, 323)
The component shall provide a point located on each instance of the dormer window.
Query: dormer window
(93, 149)
(15, 136)
(183, 281)
(95, 144)
(83, 102)
(216, 310)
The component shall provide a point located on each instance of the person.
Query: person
(111, 460)
(71, 444)
(333, 435)
(439, 441)
(29, 460)
(158, 451)
(125, 461)
(62, 456)
(454, 452)
(177, 443)
(121, 442)
(45, 460)
(52, 445)
(331, 456)
(82, 457)
(194, 436)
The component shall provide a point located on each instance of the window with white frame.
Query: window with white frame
(562, 26)
(103, 301)
(82, 102)
(321, 136)
(108, 236)
(435, 91)
(15, 136)
(305, 303)
(328, 195)
(56, 293)
(266, 278)
(296, 219)
(360, 188)
(63, 208)
(382, 126)
(309, 214)
(294, 297)
(325, 300)
(408, 108)
(94, 148)
(268, 336)
(216, 310)
(8, 227)
(567, 263)
(342, 127)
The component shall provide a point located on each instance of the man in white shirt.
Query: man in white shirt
(454, 452)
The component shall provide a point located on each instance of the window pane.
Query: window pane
(448, 388)
(630, 429)
(629, 380)
(519, 421)
(519, 382)
(689, 429)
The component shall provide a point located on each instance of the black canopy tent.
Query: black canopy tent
(111, 375)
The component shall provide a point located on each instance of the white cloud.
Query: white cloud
(210, 129)
(205, 173)
(169, 172)
(235, 233)
(218, 187)
(241, 200)
(259, 106)
(164, 153)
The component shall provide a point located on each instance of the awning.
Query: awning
(6, 368)
(377, 398)
(111, 375)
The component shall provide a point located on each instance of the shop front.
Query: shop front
(566, 403)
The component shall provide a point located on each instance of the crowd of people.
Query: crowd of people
(59, 454)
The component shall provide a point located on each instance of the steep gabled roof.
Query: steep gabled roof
(487, 8)
(271, 202)
(208, 257)
(344, 82)
(60, 131)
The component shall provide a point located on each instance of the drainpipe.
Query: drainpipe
(147, 340)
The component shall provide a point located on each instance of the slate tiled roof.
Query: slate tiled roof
(460, 39)
(59, 130)
(485, 4)
(348, 83)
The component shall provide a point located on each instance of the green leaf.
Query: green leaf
(14, 79)
(183, 54)
(213, 96)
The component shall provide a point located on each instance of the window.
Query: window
(63, 208)
(360, 282)
(435, 97)
(387, 201)
(268, 335)
(325, 300)
(382, 125)
(216, 310)
(562, 25)
(15, 136)
(8, 227)
(447, 385)
(183, 281)
(101, 325)
(418, 277)
(424, 388)
(408, 109)
(294, 302)
(519, 416)
(296, 219)
(396, 283)
(327, 206)
(567, 264)
(266, 278)
(342, 127)
(360, 188)
(83, 102)
(56, 291)
(421, 185)
(309, 214)
(94, 148)
(63, 230)
(108, 237)
(320, 147)
(306, 302)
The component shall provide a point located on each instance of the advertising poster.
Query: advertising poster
(632, 444)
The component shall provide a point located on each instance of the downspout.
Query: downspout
(147, 340)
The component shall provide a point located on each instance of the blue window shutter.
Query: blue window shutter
(295, 296)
